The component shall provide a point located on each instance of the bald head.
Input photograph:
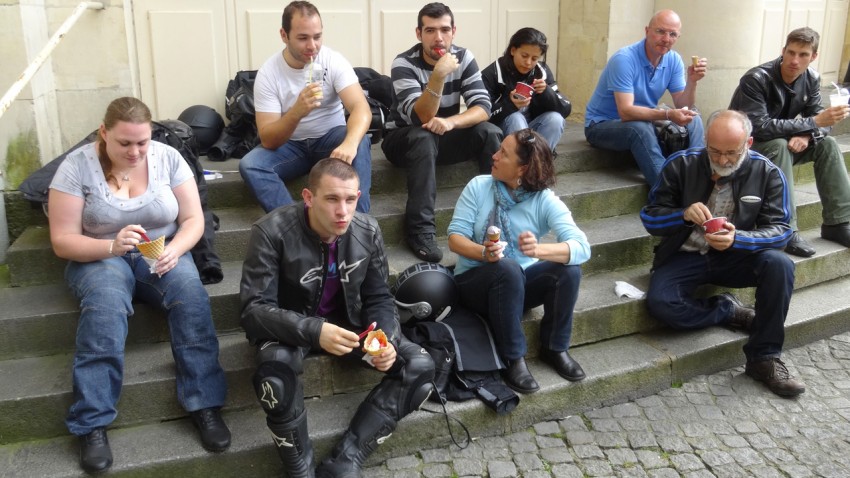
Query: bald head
(729, 122)
(667, 19)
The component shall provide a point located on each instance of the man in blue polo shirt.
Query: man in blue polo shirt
(621, 111)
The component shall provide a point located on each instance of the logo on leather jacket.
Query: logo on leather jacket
(344, 271)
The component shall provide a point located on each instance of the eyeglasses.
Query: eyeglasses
(732, 155)
(672, 33)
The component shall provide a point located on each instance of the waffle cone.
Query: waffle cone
(152, 249)
(378, 335)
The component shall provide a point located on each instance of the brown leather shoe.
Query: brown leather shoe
(773, 373)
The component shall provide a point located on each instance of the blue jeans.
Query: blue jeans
(266, 171)
(639, 137)
(671, 293)
(550, 125)
(105, 290)
(551, 284)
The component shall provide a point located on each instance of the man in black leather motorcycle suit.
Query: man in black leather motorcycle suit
(315, 275)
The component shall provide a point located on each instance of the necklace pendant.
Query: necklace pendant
(126, 177)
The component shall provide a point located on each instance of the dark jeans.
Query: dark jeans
(493, 290)
(419, 151)
(671, 288)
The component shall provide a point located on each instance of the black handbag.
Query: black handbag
(671, 136)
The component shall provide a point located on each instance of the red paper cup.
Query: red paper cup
(523, 89)
(715, 225)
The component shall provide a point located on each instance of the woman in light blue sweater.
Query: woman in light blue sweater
(502, 278)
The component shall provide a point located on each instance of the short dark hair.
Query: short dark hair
(805, 36)
(332, 167)
(306, 9)
(533, 151)
(434, 10)
(527, 36)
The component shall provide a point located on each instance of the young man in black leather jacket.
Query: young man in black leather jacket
(314, 276)
(790, 126)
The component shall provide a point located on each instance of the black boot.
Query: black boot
(95, 454)
(294, 446)
(368, 429)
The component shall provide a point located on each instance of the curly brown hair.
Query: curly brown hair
(533, 151)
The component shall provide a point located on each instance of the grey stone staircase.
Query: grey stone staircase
(625, 353)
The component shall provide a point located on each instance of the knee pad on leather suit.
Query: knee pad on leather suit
(280, 391)
(404, 390)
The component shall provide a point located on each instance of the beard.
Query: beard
(724, 171)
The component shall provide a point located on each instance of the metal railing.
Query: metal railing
(45, 52)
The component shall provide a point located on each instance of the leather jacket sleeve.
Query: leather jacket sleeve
(766, 225)
(262, 317)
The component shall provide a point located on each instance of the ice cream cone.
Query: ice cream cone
(375, 342)
(152, 249)
(494, 233)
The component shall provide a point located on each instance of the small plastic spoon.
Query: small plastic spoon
(368, 329)
(145, 237)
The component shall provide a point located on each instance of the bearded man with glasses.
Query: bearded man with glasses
(726, 179)
(620, 113)
(791, 126)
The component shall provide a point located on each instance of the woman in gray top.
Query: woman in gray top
(107, 197)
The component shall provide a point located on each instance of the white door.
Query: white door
(189, 49)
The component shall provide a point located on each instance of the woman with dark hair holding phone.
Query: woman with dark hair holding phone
(501, 277)
(516, 106)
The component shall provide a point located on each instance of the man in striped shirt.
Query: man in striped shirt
(426, 125)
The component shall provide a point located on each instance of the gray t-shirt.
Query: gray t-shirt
(104, 214)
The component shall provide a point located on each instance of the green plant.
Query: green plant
(22, 159)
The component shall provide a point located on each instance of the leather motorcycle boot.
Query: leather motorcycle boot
(773, 373)
(294, 446)
(95, 454)
(368, 429)
(798, 246)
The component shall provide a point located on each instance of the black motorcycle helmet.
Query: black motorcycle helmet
(427, 291)
(206, 123)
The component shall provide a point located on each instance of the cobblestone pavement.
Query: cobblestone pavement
(721, 425)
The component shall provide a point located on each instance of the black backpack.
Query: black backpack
(379, 94)
(178, 135)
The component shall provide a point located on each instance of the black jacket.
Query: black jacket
(284, 274)
(501, 77)
(761, 222)
(774, 106)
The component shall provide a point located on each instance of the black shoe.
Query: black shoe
(565, 365)
(519, 378)
(774, 374)
(425, 247)
(95, 455)
(215, 436)
(742, 316)
(797, 246)
(839, 233)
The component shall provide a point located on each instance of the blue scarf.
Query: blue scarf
(505, 199)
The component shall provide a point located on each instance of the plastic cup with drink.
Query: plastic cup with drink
(314, 73)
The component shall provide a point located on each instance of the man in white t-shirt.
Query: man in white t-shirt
(299, 125)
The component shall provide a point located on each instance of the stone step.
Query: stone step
(41, 320)
(618, 369)
(593, 196)
(34, 409)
